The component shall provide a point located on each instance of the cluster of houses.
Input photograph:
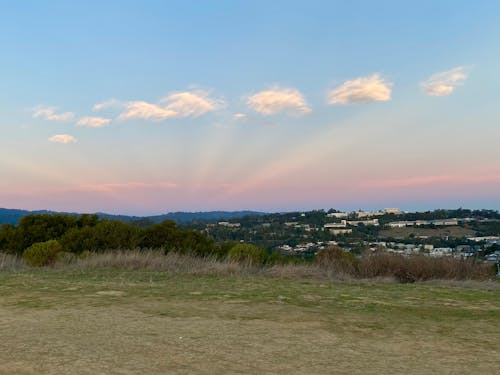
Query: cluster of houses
(460, 251)
(418, 223)
(309, 247)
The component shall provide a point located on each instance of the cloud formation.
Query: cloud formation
(106, 104)
(240, 116)
(279, 99)
(361, 90)
(175, 105)
(62, 138)
(51, 114)
(93, 122)
(444, 83)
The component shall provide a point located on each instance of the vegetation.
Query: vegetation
(78, 234)
(211, 321)
(247, 253)
(43, 240)
(42, 253)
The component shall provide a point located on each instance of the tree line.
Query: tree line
(77, 234)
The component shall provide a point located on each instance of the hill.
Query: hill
(12, 216)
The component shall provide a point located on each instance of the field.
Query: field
(453, 231)
(110, 321)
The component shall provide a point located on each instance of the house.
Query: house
(342, 224)
(397, 224)
(337, 232)
(355, 223)
(338, 215)
(228, 224)
(394, 211)
(445, 222)
(362, 214)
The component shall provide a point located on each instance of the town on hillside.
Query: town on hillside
(440, 233)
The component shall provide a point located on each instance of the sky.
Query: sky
(147, 107)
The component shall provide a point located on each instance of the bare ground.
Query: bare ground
(135, 322)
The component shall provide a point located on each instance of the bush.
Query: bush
(421, 268)
(248, 253)
(42, 253)
(337, 260)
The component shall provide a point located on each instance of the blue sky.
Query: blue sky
(249, 104)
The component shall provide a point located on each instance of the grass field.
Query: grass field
(106, 321)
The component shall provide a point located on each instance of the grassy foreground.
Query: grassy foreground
(109, 321)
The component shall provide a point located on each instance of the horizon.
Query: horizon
(404, 211)
(128, 109)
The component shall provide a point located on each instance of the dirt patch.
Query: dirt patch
(111, 293)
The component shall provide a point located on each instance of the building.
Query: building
(362, 214)
(342, 224)
(355, 223)
(228, 224)
(394, 211)
(337, 232)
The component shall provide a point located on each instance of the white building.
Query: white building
(342, 224)
(394, 211)
(355, 223)
(337, 232)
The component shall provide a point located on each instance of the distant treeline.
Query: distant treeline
(441, 214)
(13, 216)
(77, 234)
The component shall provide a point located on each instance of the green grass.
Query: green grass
(131, 322)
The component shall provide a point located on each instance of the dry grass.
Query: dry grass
(112, 321)
(153, 260)
(10, 262)
(421, 268)
(341, 266)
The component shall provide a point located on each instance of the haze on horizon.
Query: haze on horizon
(150, 107)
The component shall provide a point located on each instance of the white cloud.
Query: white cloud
(51, 114)
(93, 122)
(191, 103)
(106, 104)
(145, 110)
(444, 83)
(62, 138)
(240, 116)
(361, 90)
(278, 99)
(175, 105)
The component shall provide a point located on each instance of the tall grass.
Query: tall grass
(155, 260)
(9, 262)
(332, 264)
(403, 268)
(421, 268)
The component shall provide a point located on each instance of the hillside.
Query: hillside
(12, 216)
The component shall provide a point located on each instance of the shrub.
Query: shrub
(337, 260)
(42, 253)
(248, 253)
(421, 268)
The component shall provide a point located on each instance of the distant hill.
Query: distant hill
(12, 216)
